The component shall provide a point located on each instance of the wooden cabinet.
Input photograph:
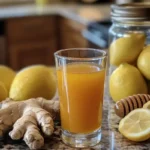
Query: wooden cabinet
(70, 34)
(22, 55)
(31, 40)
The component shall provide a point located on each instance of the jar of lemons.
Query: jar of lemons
(129, 50)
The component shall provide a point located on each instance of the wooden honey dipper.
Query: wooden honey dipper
(126, 105)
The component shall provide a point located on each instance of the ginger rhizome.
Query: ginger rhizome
(28, 118)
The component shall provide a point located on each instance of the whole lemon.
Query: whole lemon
(143, 62)
(3, 91)
(125, 81)
(32, 82)
(126, 49)
(6, 76)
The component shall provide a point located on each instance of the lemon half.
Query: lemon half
(147, 105)
(136, 125)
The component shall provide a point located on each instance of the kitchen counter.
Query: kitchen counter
(81, 13)
(54, 142)
(111, 138)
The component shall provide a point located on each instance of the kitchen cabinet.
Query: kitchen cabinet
(70, 34)
(2, 43)
(22, 55)
(31, 40)
(2, 50)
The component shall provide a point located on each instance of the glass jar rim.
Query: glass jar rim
(131, 12)
(103, 52)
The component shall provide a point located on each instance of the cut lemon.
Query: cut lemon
(136, 125)
(147, 105)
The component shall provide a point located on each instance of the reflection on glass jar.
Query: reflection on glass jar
(129, 50)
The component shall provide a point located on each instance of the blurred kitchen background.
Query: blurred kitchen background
(32, 30)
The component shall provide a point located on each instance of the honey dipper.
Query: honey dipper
(126, 105)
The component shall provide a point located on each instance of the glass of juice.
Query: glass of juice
(81, 75)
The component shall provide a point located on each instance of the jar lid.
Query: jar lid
(131, 12)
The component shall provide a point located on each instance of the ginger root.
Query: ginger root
(26, 117)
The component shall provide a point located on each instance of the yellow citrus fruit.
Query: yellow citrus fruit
(125, 81)
(147, 105)
(126, 49)
(6, 76)
(53, 69)
(3, 91)
(143, 62)
(136, 125)
(32, 82)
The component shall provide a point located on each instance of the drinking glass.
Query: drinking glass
(81, 75)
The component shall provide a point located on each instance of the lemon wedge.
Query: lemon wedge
(147, 105)
(136, 125)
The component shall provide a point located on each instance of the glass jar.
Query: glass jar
(129, 50)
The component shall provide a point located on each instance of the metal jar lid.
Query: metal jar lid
(131, 12)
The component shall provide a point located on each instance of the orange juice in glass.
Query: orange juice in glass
(81, 75)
